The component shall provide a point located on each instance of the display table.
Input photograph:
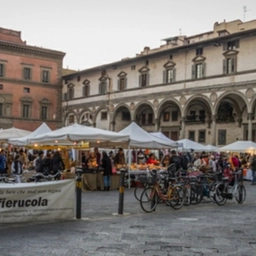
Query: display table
(94, 181)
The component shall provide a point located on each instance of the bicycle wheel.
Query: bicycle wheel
(212, 190)
(137, 192)
(176, 197)
(218, 196)
(196, 194)
(240, 194)
(148, 200)
(186, 196)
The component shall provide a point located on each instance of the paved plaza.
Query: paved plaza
(200, 230)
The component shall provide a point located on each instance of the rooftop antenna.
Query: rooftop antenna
(245, 10)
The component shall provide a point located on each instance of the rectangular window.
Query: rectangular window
(1, 87)
(230, 66)
(231, 45)
(1, 70)
(45, 76)
(26, 90)
(102, 88)
(166, 117)
(199, 70)
(70, 94)
(126, 116)
(174, 115)
(199, 51)
(169, 75)
(104, 116)
(191, 135)
(201, 136)
(221, 137)
(144, 80)
(44, 112)
(143, 118)
(86, 90)
(25, 111)
(150, 118)
(71, 119)
(27, 73)
(122, 84)
(1, 109)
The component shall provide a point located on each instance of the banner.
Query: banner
(23, 202)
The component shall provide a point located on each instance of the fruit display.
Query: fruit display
(138, 167)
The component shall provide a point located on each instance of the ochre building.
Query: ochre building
(200, 87)
(30, 84)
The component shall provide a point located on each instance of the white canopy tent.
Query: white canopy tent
(162, 136)
(22, 141)
(139, 138)
(240, 146)
(12, 133)
(187, 145)
(211, 148)
(75, 133)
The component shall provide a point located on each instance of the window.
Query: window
(166, 117)
(25, 110)
(191, 135)
(221, 137)
(27, 73)
(1, 87)
(44, 111)
(198, 70)
(170, 75)
(122, 84)
(86, 89)
(70, 93)
(202, 115)
(229, 65)
(102, 87)
(201, 136)
(26, 90)
(1, 70)
(144, 80)
(104, 115)
(133, 67)
(45, 76)
(143, 118)
(174, 115)
(150, 118)
(1, 109)
(231, 45)
(126, 116)
(71, 119)
(122, 81)
(199, 51)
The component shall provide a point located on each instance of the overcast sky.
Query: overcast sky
(96, 32)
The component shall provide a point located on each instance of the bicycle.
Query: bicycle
(6, 178)
(225, 191)
(40, 177)
(155, 193)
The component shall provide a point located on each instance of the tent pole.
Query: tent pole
(129, 164)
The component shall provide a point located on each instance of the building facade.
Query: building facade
(30, 84)
(200, 87)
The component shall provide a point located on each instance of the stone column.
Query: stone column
(249, 126)
(156, 125)
(182, 131)
(213, 130)
(112, 126)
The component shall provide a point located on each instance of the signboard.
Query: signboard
(23, 202)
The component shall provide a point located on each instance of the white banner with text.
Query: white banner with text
(23, 202)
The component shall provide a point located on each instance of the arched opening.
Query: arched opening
(121, 118)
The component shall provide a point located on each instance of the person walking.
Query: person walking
(107, 170)
(253, 168)
(16, 168)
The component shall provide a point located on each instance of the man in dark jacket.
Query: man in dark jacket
(107, 166)
(253, 168)
(39, 165)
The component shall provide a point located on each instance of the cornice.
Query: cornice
(31, 49)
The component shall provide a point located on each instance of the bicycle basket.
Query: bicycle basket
(142, 178)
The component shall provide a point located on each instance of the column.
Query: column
(112, 126)
(213, 132)
(156, 125)
(249, 126)
(182, 131)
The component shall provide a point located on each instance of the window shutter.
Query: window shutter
(84, 90)
(125, 83)
(233, 63)
(67, 96)
(164, 77)
(225, 66)
(203, 69)
(237, 44)
(100, 88)
(148, 77)
(140, 80)
(89, 88)
(193, 71)
(64, 96)
(174, 75)
(105, 88)
(225, 46)
(24, 73)
(72, 93)
(118, 84)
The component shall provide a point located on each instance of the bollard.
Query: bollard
(78, 193)
(153, 183)
(121, 192)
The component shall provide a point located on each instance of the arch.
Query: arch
(141, 104)
(99, 109)
(252, 104)
(121, 118)
(66, 121)
(165, 102)
(118, 108)
(228, 95)
(86, 117)
(198, 98)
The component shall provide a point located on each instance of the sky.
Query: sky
(97, 32)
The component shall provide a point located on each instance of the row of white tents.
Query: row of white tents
(131, 137)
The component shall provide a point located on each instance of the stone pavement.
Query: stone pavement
(200, 230)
